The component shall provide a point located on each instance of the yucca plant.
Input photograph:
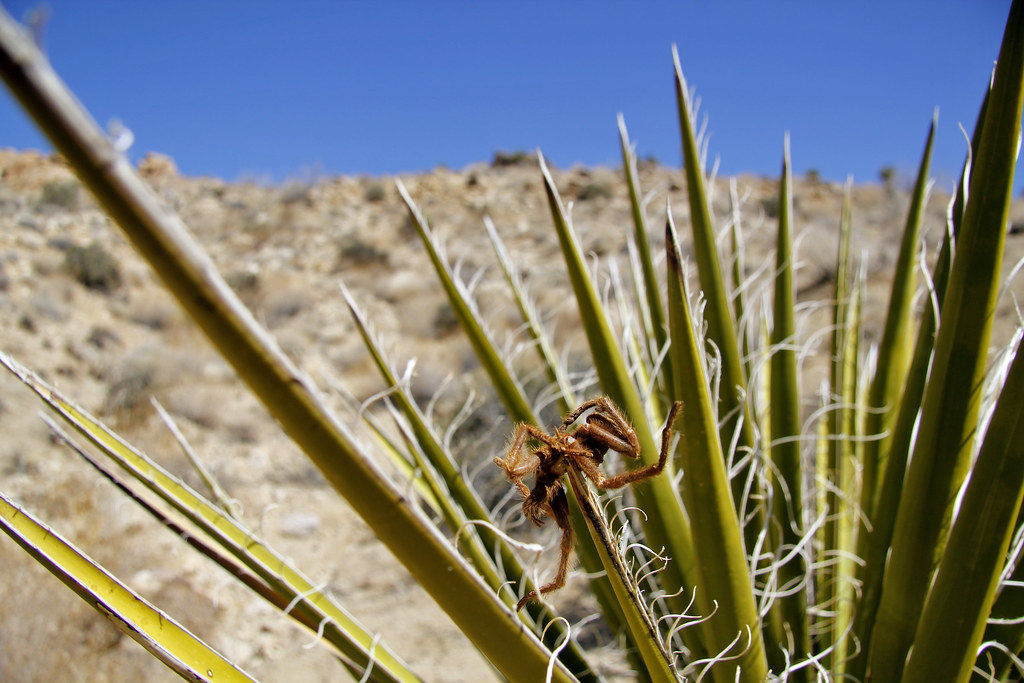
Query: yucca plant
(867, 539)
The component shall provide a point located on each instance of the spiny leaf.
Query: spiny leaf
(666, 524)
(502, 378)
(652, 287)
(643, 632)
(874, 542)
(738, 274)
(721, 327)
(949, 412)
(843, 593)
(894, 348)
(724, 577)
(789, 614)
(165, 639)
(567, 399)
(313, 606)
(460, 503)
(957, 608)
(842, 394)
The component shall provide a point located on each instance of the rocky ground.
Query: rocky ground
(82, 309)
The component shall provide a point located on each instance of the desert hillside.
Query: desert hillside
(81, 308)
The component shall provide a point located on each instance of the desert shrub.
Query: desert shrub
(407, 229)
(503, 159)
(375, 192)
(61, 194)
(102, 337)
(888, 176)
(93, 266)
(246, 284)
(243, 431)
(445, 321)
(130, 382)
(355, 251)
(592, 191)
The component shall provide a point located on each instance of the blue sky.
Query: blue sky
(275, 90)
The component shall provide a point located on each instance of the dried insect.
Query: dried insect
(604, 429)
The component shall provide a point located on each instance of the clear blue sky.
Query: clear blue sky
(285, 89)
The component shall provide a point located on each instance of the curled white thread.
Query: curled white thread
(721, 656)
(625, 523)
(319, 634)
(679, 625)
(995, 645)
(372, 656)
(384, 393)
(302, 596)
(522, 545)
(556, 650)
(464, 412)
(669, 596)
(657, 570)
